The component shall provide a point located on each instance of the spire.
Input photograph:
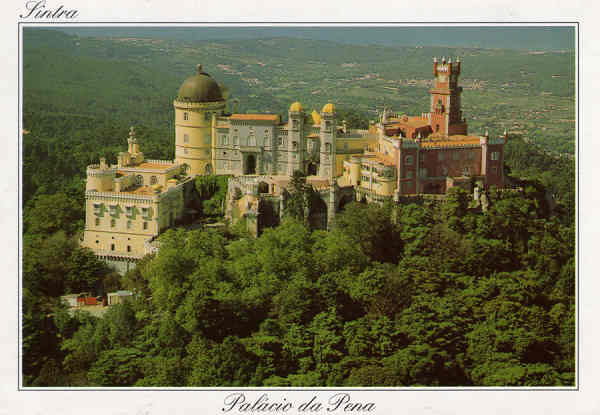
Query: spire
(132, 133)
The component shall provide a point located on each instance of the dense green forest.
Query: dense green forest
(393, 295)
(417, 294)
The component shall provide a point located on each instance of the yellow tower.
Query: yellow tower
(198, 99)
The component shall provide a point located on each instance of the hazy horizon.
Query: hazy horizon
(487, 37)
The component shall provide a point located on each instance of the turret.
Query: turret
(295, 141)
(328, 132)
(100, 177)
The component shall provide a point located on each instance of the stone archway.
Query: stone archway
(250, 164)
(263, 187)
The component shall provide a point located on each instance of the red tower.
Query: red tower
(446, 115)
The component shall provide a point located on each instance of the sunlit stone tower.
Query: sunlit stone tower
(198, 99)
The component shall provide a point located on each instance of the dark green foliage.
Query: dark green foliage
(491, 305)
(211, 191)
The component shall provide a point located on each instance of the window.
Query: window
(294, 145)
(440, 156)
(495, 155)
(226, 165)
(129, 211)
(408, 160)
(186, 116)
(128, 224)
(409, 174)
(145, 225)
(113, 223)
(97, 241)
(153, 180)
(327, 125)
(224, 139)
(470, 155)
(444, 171)
(252, 141)
(139, 179)
(186, 138)
(327, 147)
(128, 248)
(112, 247)
(235, 140)
(466, 171)
(185, 151)
(97, 208)
(437, 128)
(207, 116)
(295, 124)
(494, 169)
(423, 172)
(280, 140)
(146, 212)
(97, 221)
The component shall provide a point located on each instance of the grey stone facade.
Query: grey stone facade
(255, 146)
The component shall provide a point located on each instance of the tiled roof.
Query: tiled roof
(410, 121)
(255, 117)
(452, 141)
(141, 190)
(154, 166)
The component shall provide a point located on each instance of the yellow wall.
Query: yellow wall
(160, 208)
(198, 128)
(345, 148)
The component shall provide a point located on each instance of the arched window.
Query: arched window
(113, 223)
(186, 116)
(139, 179)
(97, 221)
(153, 179)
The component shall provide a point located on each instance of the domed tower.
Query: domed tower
(327, 156)
(199, 97)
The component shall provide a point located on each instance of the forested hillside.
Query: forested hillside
(438, 294)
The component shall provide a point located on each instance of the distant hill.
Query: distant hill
(488, 37)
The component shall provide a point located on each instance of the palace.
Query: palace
(130, 203)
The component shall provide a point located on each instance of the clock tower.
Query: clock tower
(445, 113)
